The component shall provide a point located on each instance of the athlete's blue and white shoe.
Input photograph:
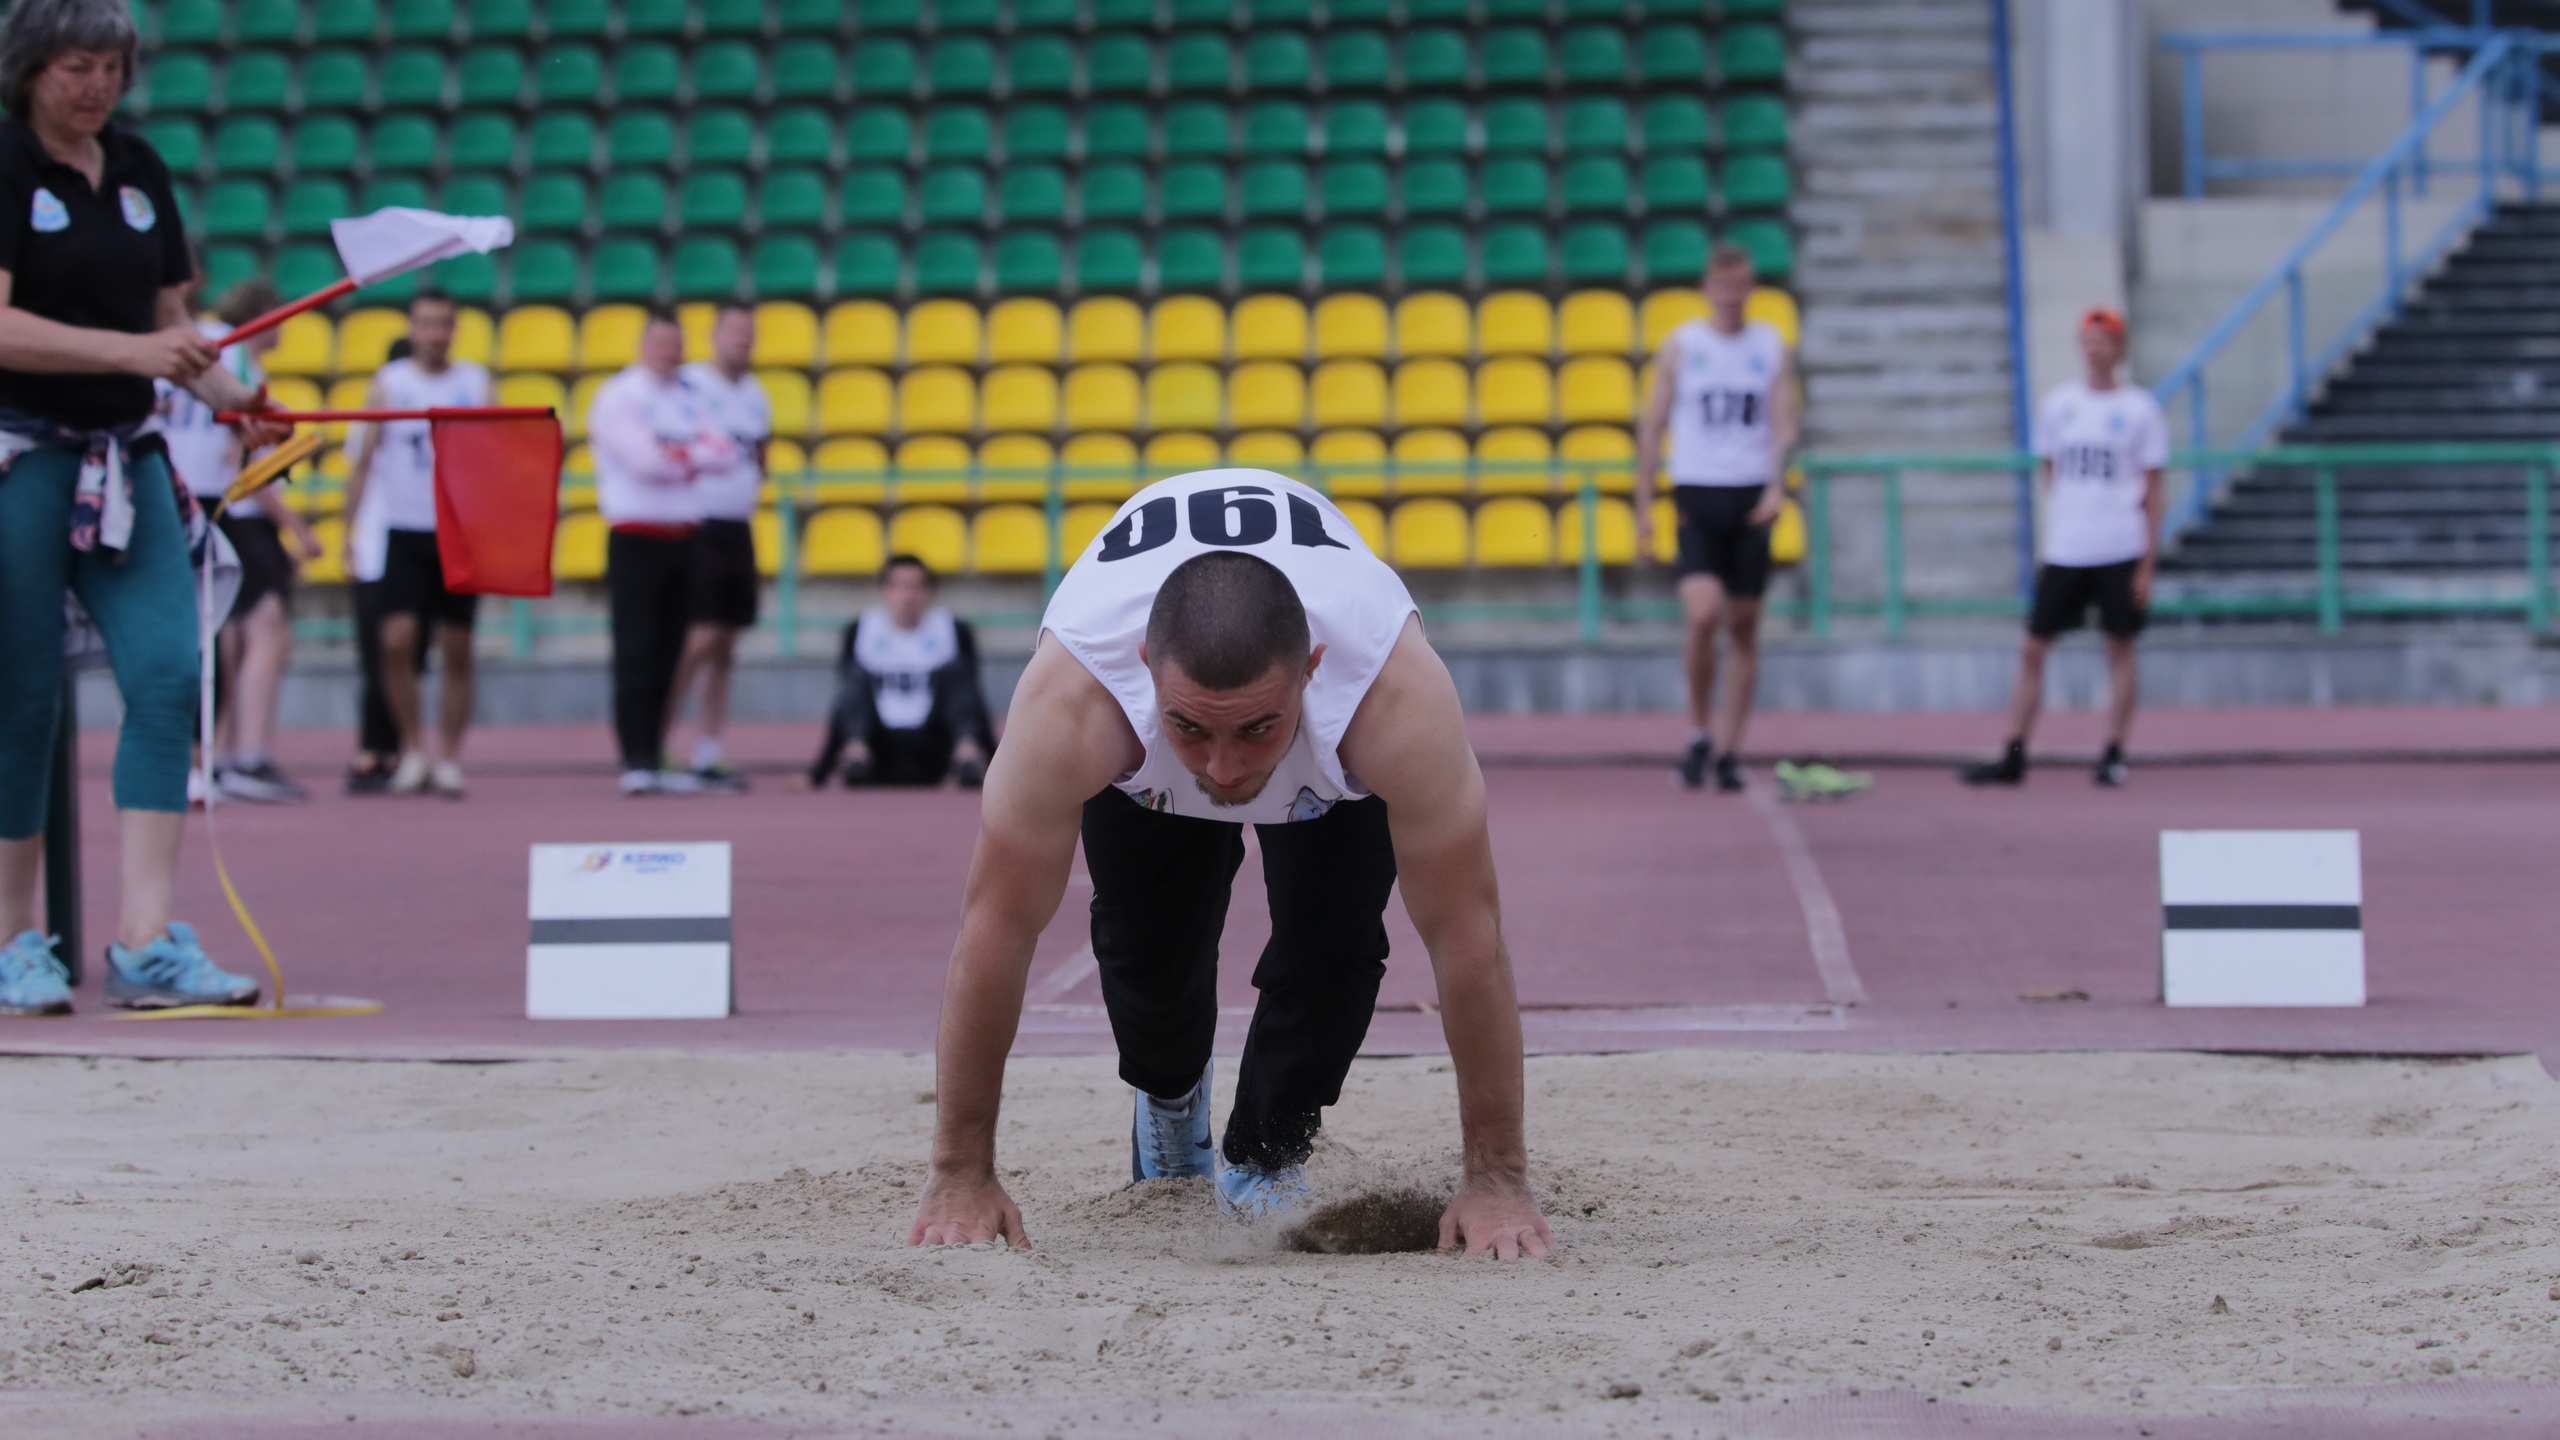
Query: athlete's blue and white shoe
(32, 981)
(1169, 1139)
(172, 970)
(1254, 1195)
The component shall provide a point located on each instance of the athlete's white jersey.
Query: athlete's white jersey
(901, 662)
(741, 410)
(1356, 608)
(400, 478)
(1721, 387)
(204, 451)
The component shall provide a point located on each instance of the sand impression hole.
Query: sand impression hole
(1386, 1222)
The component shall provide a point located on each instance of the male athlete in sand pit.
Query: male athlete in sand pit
(1228, 651)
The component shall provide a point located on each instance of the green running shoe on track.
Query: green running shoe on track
(1817, 781)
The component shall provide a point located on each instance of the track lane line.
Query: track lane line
(1822, 927)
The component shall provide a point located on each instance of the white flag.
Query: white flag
(391, 241)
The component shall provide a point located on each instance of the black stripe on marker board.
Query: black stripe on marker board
(682, 930)
(2262, 917)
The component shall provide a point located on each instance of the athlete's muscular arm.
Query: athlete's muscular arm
(1408, 745)
(1783, 433)
(1649, 427)
(2155, 505)
(1067, 740)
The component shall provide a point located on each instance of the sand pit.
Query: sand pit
(251, 1242)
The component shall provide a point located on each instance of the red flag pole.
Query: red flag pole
(276, 317)
(441, 412)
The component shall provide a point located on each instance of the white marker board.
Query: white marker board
(628, 932)
(2261, 917)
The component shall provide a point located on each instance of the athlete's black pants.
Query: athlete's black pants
(1160, 887)
(376, 733)
(649, 581)
(918, 755)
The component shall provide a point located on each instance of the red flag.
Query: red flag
(497, 499)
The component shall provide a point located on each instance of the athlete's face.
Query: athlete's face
(1728, 289)
(1231, 740)
(733, 340)
(2100, 347)
(907, 592)
(431, 333)
(662, 346)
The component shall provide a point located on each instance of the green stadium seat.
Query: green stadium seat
(177, 80)
(718, 198)
(1435, 127)
(1276, 60)
(490, 75)
(1673, 55)
(1029, 260)
(947, 262)
(1195, 14)
(1262, 13)
(549, 201)
(1193, 191)
(1112, 191)
(1107, 13)
(1196, 62)
(804, 70)
(1358, 12)
(1596, 251)
(1531, 10)
(247, 144)
(1594, 9)
(1043, 14)
(1271, 258)
(562, 137)
(1750, 53)
(228, 265)
(706, 266)
(623, 267)
(1116, 131)
(568, 75)
(422, 19)
(1514, 185)
(301, 269)
(1196, 127)
(633, 200)
(1674, 251)
(199, 22)
(472, 279)
(800, 135)
(866, 265)
(1675, 182)
(873, 195)
(958, 132)
(256, 80)
(725, 70)
(960, 65)
(1190, 258)
(1675, 123)
(870, 15)
(1036, 132)
(733, 17)
(1515, 56)
(1599, 182)
(640, 137)
(1435, 59)
(1434, 187)
(321, 144)
(950, 193)
(1595, 122)
(1351, 257)
(1040, 65)
(410, 191)
(652, 17)
(1515, 126)
(1686, 9)
(1275, 127)
(1432, 255)
(1515, 253)
(1119, 65)
(235, 207)
(499, 19)
(180, 142)
(1758, 181)
(1108, 260)
(408, 142)
(719, 137)
(648, 71)
(1353, 187)
(309, 205)
(784, 265)
(878, 132)
(1755, 122)
(337, 80)
(563, 18)
(410, 75)
(542, 270)
(564, 205)
(1359, 127)
(1273, 189)
(343, 20)
(786, 198)
(1031, 192)
(1356, 60)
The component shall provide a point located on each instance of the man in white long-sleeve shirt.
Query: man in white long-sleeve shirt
(650, 437)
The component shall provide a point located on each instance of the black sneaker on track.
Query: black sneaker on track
(373, 779)
(721, 777)
(1693, 765)
(2112, 772)
(262, 783)
(2009, 769)
(1729, 773)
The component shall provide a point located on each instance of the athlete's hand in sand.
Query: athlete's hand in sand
(966, 1210)
(1495, 1215)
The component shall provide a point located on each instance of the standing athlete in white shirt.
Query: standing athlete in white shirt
(1724, 390)
(2103, 444)
(725, 582)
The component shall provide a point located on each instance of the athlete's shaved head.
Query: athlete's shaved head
(1227, 618)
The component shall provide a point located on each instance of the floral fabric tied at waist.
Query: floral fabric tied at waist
(102, 497)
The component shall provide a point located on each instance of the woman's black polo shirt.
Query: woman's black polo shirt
(96, 258)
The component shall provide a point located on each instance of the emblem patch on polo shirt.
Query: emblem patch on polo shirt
(49, 213)
(137, 208)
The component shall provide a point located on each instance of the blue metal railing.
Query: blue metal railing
(2014, 293)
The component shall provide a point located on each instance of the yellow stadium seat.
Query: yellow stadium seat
(786, 334)
(1503, 458)
(356, 391)
(1779, 309)
(1079, 525)
(1666, 531)
(1366, 518)
(1614, 522)
(1430, 392)
(1024, 328)
(577, 547)
(861, 332)
(1009, 540)
(1515, 530)
(1268, 450)
(333, 463)
(943, 332)
(294, 392)
(365, 336)
(323, 568)
(305, 345)
(1021, 397)
(512, 390)
(937, 398)
(580, 461)
(784, 458)
(1666, 309)
(1585, 446)
(1515, 322)
(474, 333)
(1176, 451)
(1428, 534)
(1270, 327)
(1597, 322)
(842, 540)
(934, 534)
(1110, 462)
(1351, 325)
(789, 392)
(1432, 324)
(1015, 467)
(840, 461)
(695, 318)
(1596, 387)
(609, 336)
(1349, 392)
(1102, 396)
(1431, 461)
(941, 463)
(1187, 327)
(1183, 396)
(1267, 392)
(582, 396)
(531, 337)
(853, 401)
(1514, 391)
(1787, 536)
(1349, 462)
(1105, 327)
(764, 530)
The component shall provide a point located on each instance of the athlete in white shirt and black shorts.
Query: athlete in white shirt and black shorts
(734, 403)
(2103, 444)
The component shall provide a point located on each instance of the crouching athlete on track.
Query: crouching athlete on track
(1228, 652)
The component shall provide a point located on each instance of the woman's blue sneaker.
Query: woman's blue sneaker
(32, 981)
(172, 970)
(1169, 1139)
(1255, 1195)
